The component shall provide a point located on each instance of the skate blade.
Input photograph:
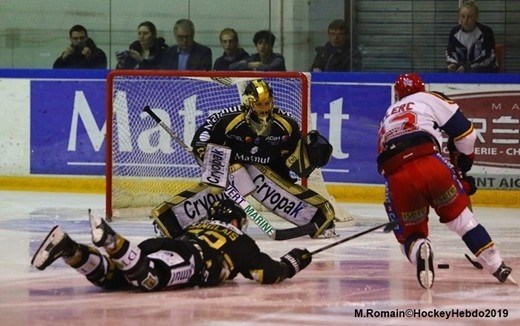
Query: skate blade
(97, 233)
(426, 275)
(43, 253)
(38, 261)
(511, 280)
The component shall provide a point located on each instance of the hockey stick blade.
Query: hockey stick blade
(296, 232)
(475, 263)
(389, 226)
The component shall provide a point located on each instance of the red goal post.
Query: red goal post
(144, 166)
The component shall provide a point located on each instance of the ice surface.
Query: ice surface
(367, 274)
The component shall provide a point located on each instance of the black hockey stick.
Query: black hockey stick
(389, 226)
(169, 130)
(232, 193)
(296, 232)
(475, 263)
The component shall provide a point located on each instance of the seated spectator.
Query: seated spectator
(265, 59)
(187, 54)
(146, 52)
(232, 50)
(471, 45)
(335, 55)
(82, 52)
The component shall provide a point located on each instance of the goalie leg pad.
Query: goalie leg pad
(292, 202)
(184, 209)
(324, 219)
(240, 179)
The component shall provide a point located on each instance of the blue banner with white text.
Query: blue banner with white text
(68, 121)
(67, 127)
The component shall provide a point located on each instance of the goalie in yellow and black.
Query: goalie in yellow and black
(266, 146)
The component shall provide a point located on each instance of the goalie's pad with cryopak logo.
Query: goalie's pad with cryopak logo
(187, 207)
(292, 202)
(240, 179)
(313, 151)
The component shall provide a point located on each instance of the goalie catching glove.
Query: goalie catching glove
(313, 151)
(296, 260)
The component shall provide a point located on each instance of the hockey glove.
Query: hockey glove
(468, 183)
(465, 162)
(461, 161)
(296, 260)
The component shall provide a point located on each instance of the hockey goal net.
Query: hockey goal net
(144, 165)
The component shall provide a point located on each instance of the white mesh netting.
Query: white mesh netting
(144, 165)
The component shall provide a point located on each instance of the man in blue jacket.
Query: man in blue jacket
(187, 54)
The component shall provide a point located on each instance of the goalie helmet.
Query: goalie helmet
(258, 100)
(227, 210)
(407, 84)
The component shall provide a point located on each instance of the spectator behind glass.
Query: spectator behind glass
(471, 45)
(232, 51)
(82, 52)
(335, 55)
(265, 59)
(146, 52)
(187, 54)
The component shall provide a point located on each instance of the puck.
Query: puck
(443, 266)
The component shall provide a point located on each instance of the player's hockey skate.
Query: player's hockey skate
(157, 230)
(329, 232)
(503, 273)
(57, 244)
(102, 233)
(425, 273)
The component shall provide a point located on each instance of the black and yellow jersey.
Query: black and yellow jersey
(229, 127)
(220, 240)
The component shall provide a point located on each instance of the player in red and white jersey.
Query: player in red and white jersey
(418, 177)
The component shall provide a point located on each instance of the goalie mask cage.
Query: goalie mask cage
(144, 166)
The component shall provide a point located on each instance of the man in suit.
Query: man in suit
(187, 54)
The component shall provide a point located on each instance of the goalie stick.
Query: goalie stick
(234, 195)
(389, 226)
